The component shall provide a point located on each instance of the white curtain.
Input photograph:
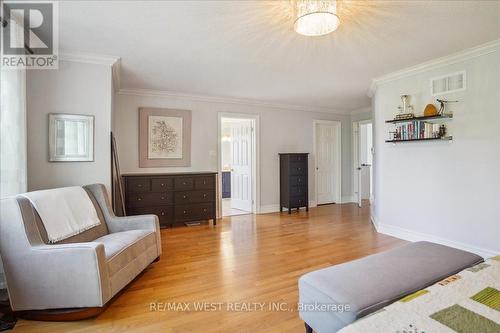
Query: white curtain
(13, 163)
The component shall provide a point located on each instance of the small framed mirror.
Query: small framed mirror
(71, 138)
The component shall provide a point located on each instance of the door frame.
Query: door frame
(255, 158)
(338, 125)
(356, 151)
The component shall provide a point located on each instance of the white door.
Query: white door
(363, 160)
(241, 165)
(356, 163)
(327, 163)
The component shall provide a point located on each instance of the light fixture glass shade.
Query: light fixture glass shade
(315, 17)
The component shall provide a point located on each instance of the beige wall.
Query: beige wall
(73, 88)
(280, 131)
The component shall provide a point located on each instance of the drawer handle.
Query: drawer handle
(139, 199)
(162, 185)
(204, 182)
(162, 213)
(185, 212)
(162, 198)
(204, 209)
(184, 196)
(139, 185)
(184, 183)
(205, 195)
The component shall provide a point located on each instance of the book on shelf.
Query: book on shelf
(416, 130)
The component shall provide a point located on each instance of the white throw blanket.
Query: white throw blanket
(65, 211)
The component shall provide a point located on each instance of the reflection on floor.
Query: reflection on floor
(228, 211)
(243, 260)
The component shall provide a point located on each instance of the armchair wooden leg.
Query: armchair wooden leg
(308, 328)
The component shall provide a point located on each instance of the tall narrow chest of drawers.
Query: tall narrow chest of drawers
(175, 198)
(294, 188)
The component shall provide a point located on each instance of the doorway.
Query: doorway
(237, 164)
(362, 161)
(328, 161)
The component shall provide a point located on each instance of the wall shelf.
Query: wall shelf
(445, 138)
(443, 117)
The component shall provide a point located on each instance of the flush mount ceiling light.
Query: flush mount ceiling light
(315, 17)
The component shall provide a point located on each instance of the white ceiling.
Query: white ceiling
(248, 49)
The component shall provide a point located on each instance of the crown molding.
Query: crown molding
(228, 100)
(89, 58)
(461, 56)
(115, 63)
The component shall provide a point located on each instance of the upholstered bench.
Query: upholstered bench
(336, 296)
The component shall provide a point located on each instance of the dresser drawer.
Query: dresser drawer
(184, 183)
(201, 183)
(193, 212)
(149, 199)
(298, 180)
(185, 197)
(165, 214)
(140, 211)
(298, 168)
(298, 191)
(162, 184)
(138, 185)
(297, 202)
(298, 158)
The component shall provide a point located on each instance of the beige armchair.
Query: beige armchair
(83, 271)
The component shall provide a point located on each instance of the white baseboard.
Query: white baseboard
(373, 218)
(265, 209)
(415, 236)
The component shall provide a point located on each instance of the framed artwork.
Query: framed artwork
(71, 138)
(164, 137)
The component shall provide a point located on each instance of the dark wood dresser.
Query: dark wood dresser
(175, 198)
(294, 188)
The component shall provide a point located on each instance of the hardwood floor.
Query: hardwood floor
(244, 259)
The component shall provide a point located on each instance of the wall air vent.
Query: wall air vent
(448, 83)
